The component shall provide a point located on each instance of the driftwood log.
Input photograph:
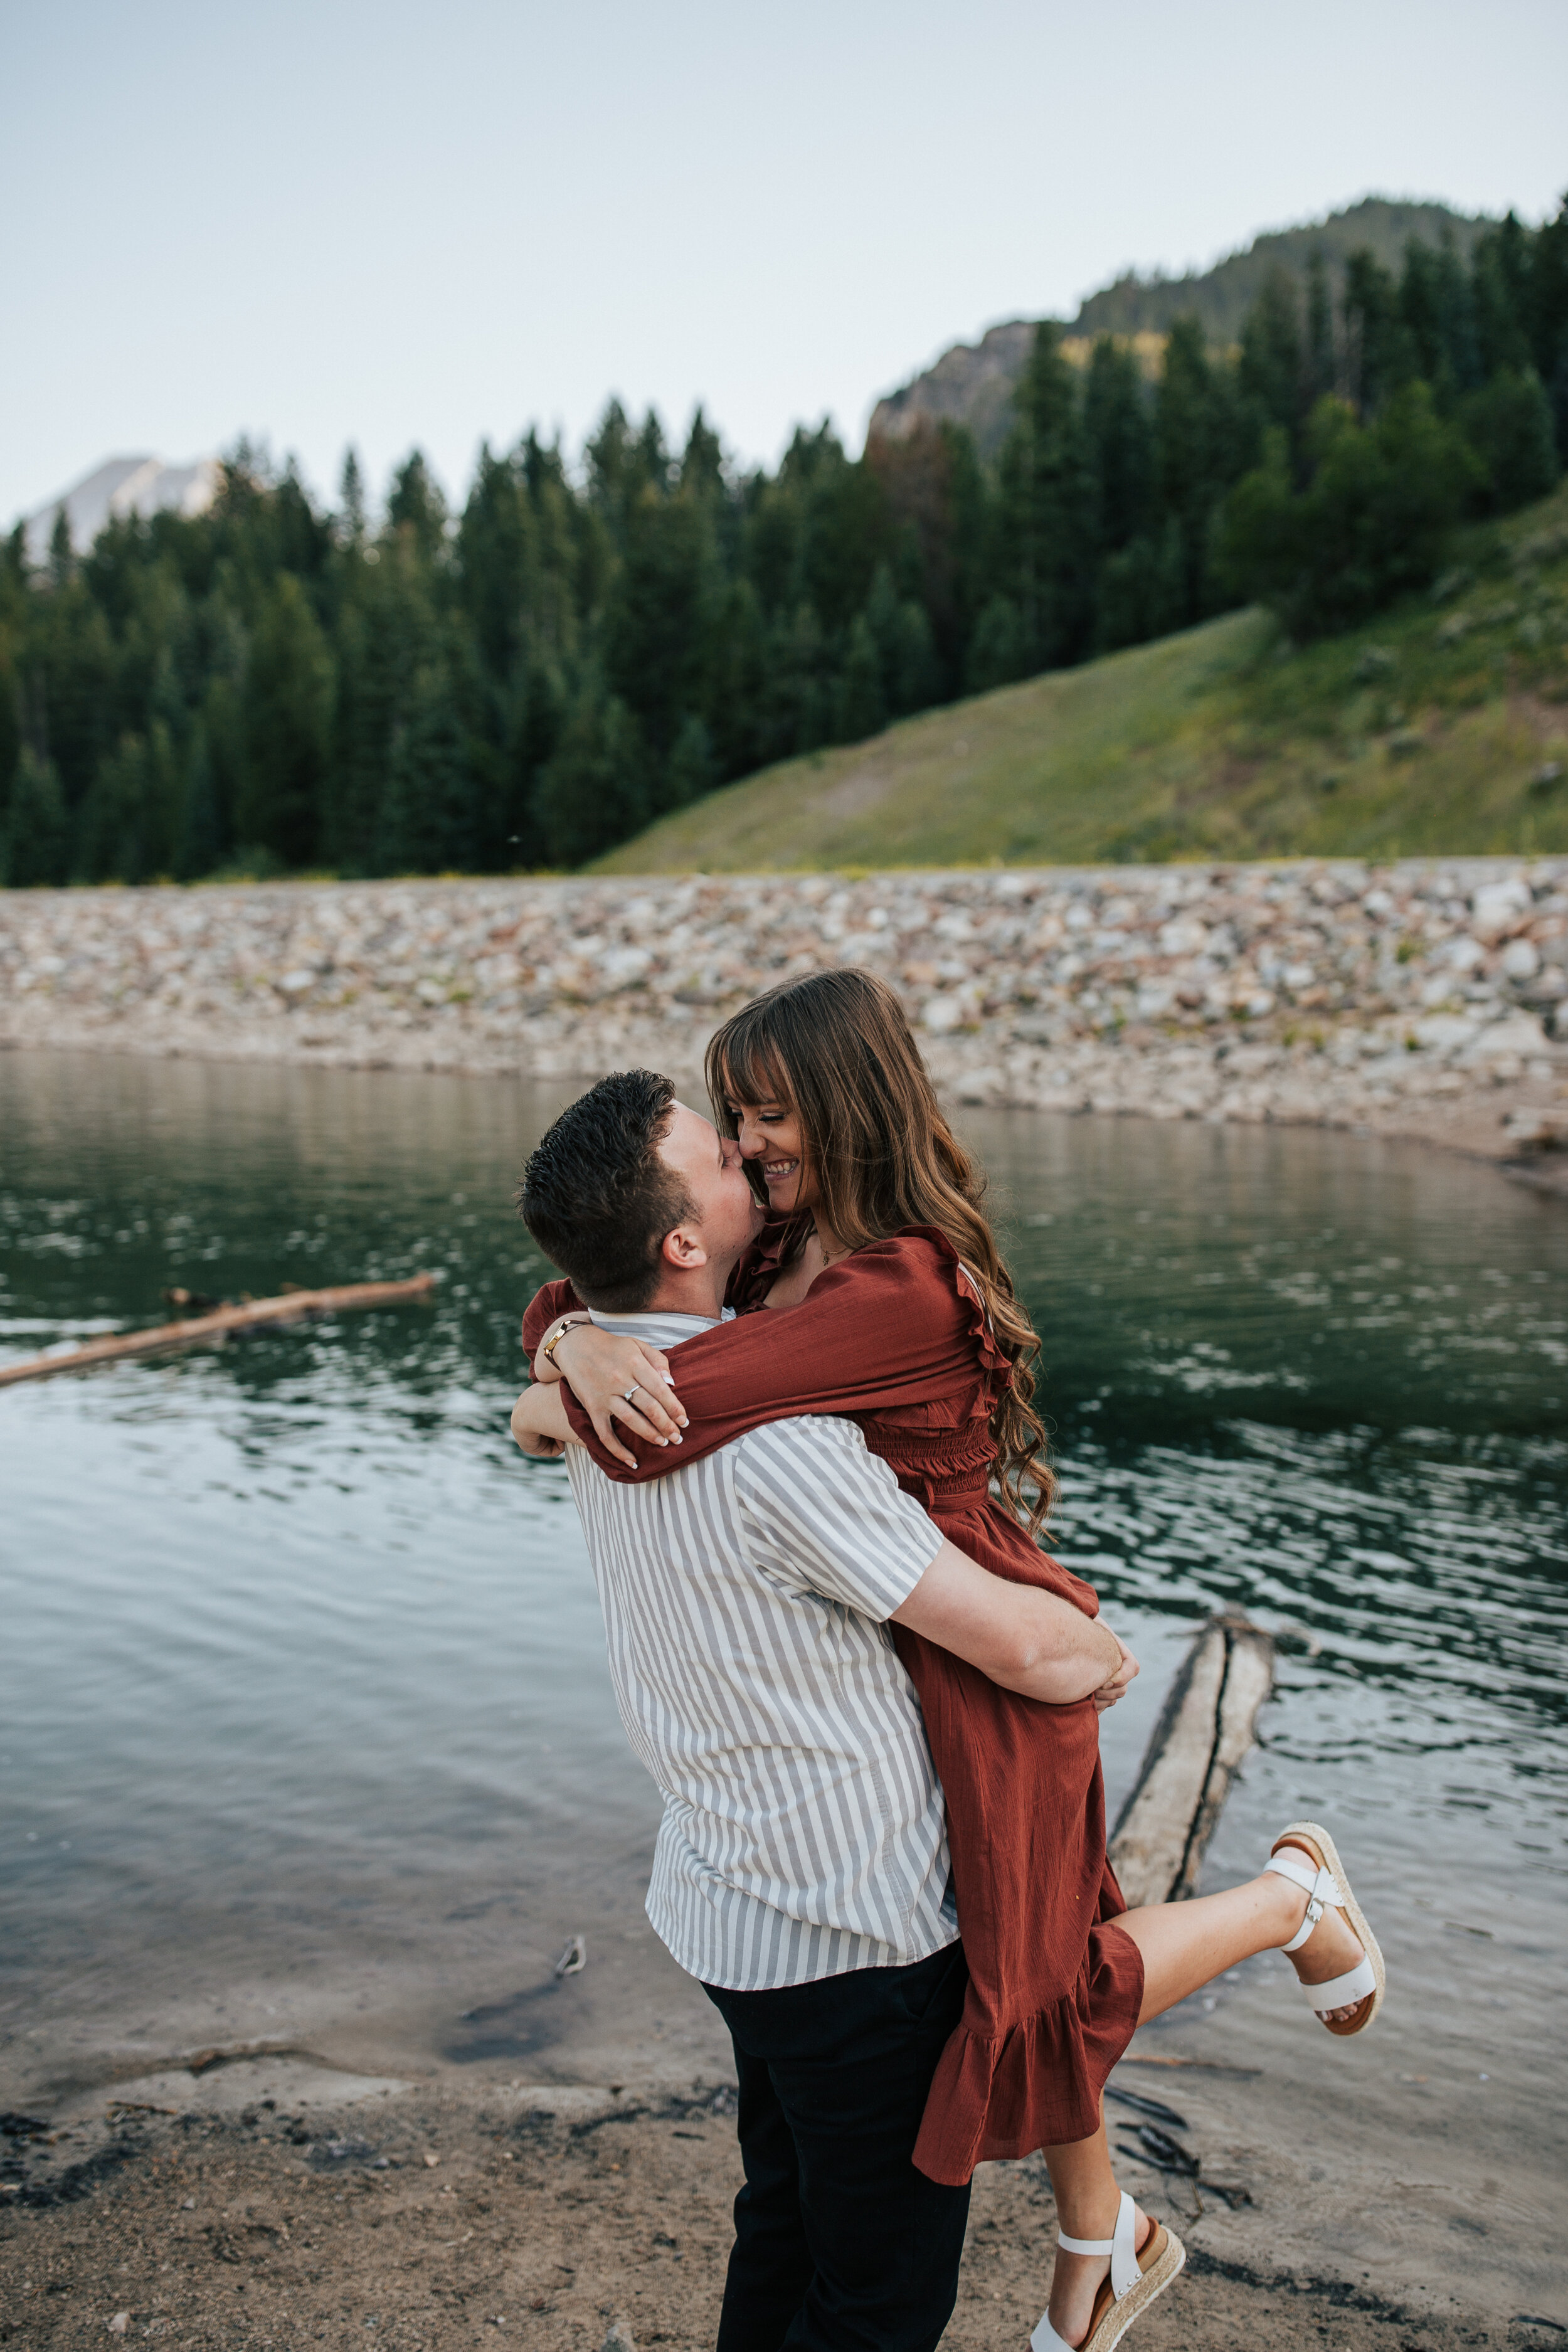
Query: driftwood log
(1205, 1728)
(191, 1333)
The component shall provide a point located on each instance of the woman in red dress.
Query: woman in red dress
(876, 1291)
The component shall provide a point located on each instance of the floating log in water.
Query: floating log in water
(1205, 1728)
(195, 1328)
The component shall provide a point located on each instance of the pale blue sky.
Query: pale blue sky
(394, 224)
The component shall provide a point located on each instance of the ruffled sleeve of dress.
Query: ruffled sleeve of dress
(899, 1326)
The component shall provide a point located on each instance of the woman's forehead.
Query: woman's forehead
(753, 1079)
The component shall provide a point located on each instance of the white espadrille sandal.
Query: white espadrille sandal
(1136, 2278)
(1327, 1887)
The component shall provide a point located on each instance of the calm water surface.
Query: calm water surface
(305, 1726)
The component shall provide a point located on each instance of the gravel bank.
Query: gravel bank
(1425, 998)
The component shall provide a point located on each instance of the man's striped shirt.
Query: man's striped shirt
(745, 1599)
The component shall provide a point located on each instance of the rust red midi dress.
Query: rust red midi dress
(896, 1339)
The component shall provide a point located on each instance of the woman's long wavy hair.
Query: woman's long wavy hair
(838, 1050)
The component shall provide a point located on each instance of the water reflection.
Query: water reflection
(302, 1664)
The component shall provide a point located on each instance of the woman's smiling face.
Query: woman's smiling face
(770, 1139)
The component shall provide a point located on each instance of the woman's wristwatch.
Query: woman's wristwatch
(567, 1323)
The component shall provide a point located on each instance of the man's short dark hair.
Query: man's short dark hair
(598, 1199)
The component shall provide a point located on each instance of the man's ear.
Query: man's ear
(682, 1249)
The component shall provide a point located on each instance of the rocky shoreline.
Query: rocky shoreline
(1425, 998)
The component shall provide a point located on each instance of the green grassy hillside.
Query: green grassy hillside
(1435, 731)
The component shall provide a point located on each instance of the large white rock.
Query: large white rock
(1521, 1034)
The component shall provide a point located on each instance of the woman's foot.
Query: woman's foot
(1333, 1949)
(1078, 2279)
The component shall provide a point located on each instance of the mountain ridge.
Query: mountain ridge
(972, 383)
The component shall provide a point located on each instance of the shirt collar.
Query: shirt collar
(664, 1329)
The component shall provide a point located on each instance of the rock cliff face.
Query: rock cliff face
(1424, 997)
(972, 384)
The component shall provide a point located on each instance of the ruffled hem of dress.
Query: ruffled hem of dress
(996, 2098)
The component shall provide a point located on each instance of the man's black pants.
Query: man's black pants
(840, 2244)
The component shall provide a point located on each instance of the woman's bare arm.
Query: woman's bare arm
(539, 1423)
(599, 1368)
(1028, 1640)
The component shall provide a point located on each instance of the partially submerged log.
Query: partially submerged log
(195, 1328)
(1205, 1728)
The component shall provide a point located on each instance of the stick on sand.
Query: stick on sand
(191, 1333)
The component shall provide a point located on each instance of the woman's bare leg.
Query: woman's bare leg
(1087, 2201)
(1185, 1945)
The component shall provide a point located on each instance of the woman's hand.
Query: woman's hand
(600, 1369)
(539, 1425)
(1116, 1687)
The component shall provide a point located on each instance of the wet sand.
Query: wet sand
(341, 2214)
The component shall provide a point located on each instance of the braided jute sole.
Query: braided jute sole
(1373, 2001)
(1159, 2260)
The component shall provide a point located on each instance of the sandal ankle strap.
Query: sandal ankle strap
(1317, 1884)
(1121, 2248)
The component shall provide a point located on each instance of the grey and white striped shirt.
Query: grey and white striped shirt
(745, 1599)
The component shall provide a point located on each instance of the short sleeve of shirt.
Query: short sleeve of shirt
(825, 1515)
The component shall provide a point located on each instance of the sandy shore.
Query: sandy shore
(418, 2219)
(1421, 1000)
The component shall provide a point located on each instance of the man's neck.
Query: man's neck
(698, 1292)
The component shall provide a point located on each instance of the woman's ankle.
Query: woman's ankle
(1090, 2211)
(1285, 1904)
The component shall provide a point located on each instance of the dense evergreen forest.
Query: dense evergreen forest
(268, 688)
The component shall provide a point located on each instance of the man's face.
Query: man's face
(710, 1166)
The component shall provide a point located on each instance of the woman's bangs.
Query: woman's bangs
(746, 1068)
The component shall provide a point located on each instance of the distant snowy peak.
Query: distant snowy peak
(121, 486)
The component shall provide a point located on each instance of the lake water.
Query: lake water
(305, 1728)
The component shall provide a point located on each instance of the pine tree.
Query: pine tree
(200, 842)
(1047, 503)
(1272, 371)
(37, 829)
(798, 712)
(1198, 442)
(62, 562)
(287, 715)
(593, 792)
(1323, 374)
(428, 822)
(1142, 590)
(117, 824)
(1380, 350)
(351, 502)
(656, 625)
(415, 510)
(861, 707)
(702, 460)
(692, 769)
(1509, 424)
(1120, 432)
(997, 652)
